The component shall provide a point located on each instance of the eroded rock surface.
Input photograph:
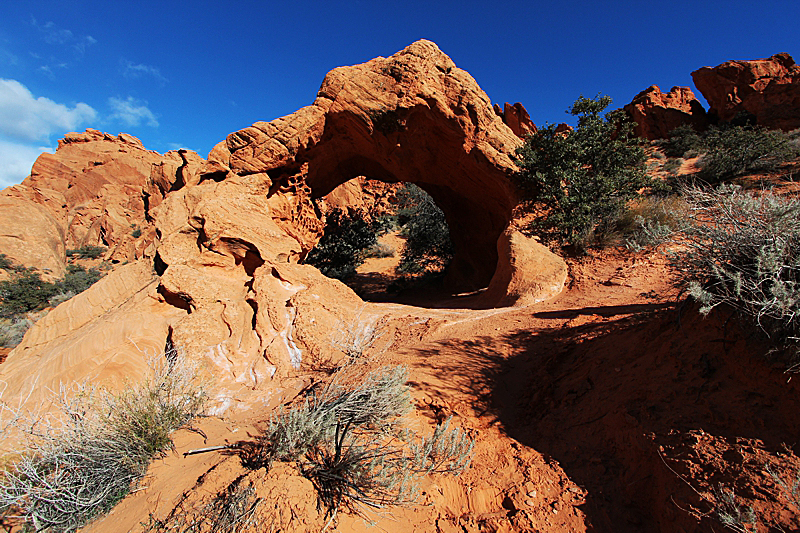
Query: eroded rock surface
(769, 89)
(657, 113)
(220, 278)
(517, 118)
(96, 190)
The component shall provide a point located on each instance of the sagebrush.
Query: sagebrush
(743, 250)
(80, 466)
(350, 442)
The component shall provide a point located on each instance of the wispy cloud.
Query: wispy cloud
(131, 112)
(132, 70)
(17, 161)
(52, 34)
(24, 117)
(178, 146)
(47, 70)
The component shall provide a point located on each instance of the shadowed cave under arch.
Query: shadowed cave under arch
(477, 201)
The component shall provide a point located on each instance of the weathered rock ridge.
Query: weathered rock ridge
(769, 89)
(219, 276)
(97, 189)
(517, 118)
(657, 113)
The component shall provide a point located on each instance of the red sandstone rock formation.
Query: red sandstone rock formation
(767, 88)
(97, 189)
(657, 113)
(224, 284)
(516, 117)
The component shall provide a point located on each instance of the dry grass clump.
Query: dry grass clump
(81, 465)
(349, 441)
(230, 511)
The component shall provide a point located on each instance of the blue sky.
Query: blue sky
(185, 74)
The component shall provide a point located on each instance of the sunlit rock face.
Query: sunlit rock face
(768, 89)
(218, 274)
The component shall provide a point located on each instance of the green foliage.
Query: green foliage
(681, 140)
(585, 178)
(73, 472)
(24, 292)
(743, 250)
(428, 246)
(732, 151)
(78, 279)
(5, 262)
(343, 245)
(87, 252)
(136, 233)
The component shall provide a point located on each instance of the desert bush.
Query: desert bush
(73, 471)
(672, 166)
(77, 279)
(358, 335)
(582, 179)
(5, 262)
(651, 221)
(743, 250)
(87, 252)
(343, 246)
(25, 291)
(682, 140)
(732, 151)
(380, 250)
(230, 511)
(428, 246)
(12, 330)
(347, 441)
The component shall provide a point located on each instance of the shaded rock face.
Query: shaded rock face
(657, 113)
(516, 117)
(768, 89)
(412, 117)
(97, 190)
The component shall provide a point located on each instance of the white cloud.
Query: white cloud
(131, 112)
(24, 117)
(52, 34)
(133, 71)
(16, 161)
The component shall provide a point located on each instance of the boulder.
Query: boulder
(656, 113)
(767, 89)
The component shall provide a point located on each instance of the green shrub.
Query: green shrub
(682, 140)
(343, 245)
(74, 472)
(743, 250)
(136, 233)
(26, 291)
(732, 151)
(78, 279)
(428, 246)
(87, 252)
(584, 178)
(5, 262)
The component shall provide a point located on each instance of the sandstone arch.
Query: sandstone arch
(412, 117)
